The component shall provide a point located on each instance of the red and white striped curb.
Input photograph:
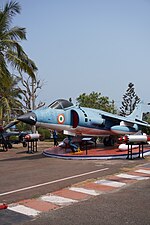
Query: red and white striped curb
(24, 210)
(3, 206)
(78, 192)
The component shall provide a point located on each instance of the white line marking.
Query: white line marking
(143, 171)
(110, 183)
(58, 200)
(128, 176)
(24, 210)
(52, 182)
(85, 191)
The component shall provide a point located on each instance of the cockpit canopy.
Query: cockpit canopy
(60, 104)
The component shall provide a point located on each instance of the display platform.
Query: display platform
(89, 152)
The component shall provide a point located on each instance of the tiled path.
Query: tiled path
(31, 208)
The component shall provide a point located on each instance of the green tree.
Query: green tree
(146, 117)
(10, 99)
(130, 100)
(97, 101)
(12, 55)
(11, 52)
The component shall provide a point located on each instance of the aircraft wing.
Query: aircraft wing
(11, 133)
(11, 124)
(118, 119)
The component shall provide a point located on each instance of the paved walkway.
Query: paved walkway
(31, 208)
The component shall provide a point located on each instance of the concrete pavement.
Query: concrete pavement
(32, 208)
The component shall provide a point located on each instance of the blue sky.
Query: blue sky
(88, 45)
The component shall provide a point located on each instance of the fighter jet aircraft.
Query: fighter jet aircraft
(5, 135)
(74, 120)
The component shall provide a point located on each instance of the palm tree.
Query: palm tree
(11, 51)
(10, 99)
(12, 55)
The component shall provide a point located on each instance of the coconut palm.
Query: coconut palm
(12, 55)
(11, 52)
(10, 99)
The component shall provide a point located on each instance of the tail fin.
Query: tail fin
(137, 113)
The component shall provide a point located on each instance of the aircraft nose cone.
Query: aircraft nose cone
(29, 118)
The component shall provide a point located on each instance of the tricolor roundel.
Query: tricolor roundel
(61, 118)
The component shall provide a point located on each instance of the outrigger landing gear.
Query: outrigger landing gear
(109, 141)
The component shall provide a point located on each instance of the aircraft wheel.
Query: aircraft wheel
(24, 144)
(9, 145)
(109, 141)
(112, 141)
(106, 141)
